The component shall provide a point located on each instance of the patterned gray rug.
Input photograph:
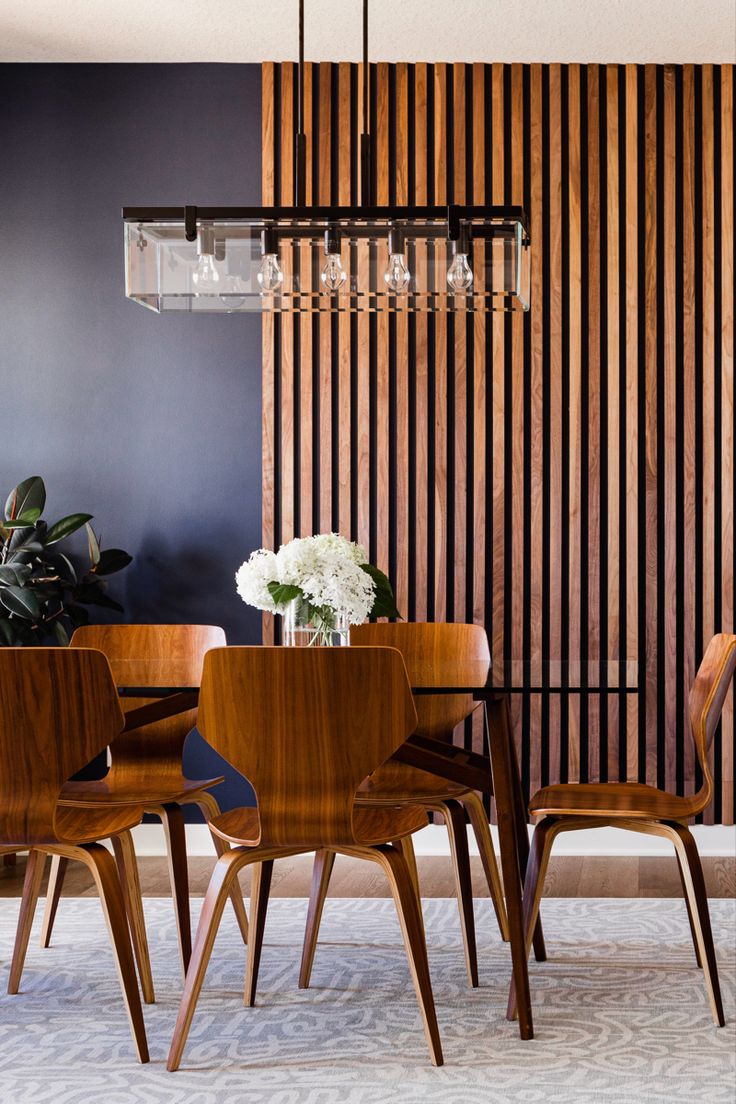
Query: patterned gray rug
(621, 1014)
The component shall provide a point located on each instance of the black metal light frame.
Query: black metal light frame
(456, 215)
(456, 224)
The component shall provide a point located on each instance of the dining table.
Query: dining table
(493, 772)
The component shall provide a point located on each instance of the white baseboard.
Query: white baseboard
(713, 840)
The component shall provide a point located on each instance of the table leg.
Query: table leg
(503, 760)
(522, 838)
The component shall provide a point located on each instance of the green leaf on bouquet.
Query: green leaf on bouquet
(384, 603)
(283, 593)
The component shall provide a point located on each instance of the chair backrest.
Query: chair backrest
(456, 652)
(152, 655)
(58, 709)
(707, 695)
(305, 726)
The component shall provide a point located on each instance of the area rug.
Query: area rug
(621, 1014)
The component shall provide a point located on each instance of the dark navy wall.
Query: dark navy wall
(151, 423)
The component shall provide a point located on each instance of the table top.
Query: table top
(479, 680)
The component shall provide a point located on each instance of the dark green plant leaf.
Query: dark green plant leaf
(14, 574)
(384, 604)
(92, 594)
(28, 495)
(78, 615)
(111, 560)
(7, 633)
(29, 517)
(26, 539)
(21, 601)
(283, 593)
(93, 545)
(58, 562)
(62, 637)
(66, 526)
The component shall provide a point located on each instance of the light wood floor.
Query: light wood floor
(567, 877)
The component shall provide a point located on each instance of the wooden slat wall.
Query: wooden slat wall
(567, 477)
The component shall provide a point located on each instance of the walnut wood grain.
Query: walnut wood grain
(641, 808)
(617, 183)
(146, 757)
(305, 727)
(65, 712)
(428, 648)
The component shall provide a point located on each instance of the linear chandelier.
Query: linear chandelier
(328, 258)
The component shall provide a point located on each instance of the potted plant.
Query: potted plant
(42, 594)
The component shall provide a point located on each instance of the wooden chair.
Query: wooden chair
(457, 651)
(305, 726)
(58, 709)
(146, 767)
(641, 808)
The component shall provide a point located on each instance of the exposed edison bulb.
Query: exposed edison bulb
(397, 275)
(270, 276)
(333, 274)
(460, 274)
(205, 277)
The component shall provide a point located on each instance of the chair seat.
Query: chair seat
(86, 825)
(396, 782)
(372, 826)
(612, 800)
(155, 792)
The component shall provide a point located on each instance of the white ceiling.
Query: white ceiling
(401, 30)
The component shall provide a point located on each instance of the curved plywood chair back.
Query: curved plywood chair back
(454, 653)
(58, 710)
(707, 695)
(305, 726)
(152, 655)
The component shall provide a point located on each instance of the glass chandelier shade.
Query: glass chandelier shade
(228, 260)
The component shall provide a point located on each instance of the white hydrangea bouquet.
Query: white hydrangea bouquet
(321, 585)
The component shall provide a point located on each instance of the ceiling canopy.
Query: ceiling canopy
(412, 30)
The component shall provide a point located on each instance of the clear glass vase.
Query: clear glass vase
(306, 628)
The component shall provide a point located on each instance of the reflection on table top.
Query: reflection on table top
(142, 679)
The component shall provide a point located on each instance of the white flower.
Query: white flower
(342, 586)
(252, 579)
(325, 567)
(341, 546)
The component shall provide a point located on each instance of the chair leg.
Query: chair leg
(481, 829)
(260, 888)
(406, 846)
(176, 849)
(210, 809)
(102, 865)
(226, 869)
(691, 920)
(408, 908)
(31, 889)
(454, 816)
(692, 872)
(321, 873)
(541, 847)
(131, 887)
(53, 894)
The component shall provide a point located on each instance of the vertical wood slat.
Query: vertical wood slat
(611, 578)
(574, 367)
(709, 535)
(478, 450)
(728, 409)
